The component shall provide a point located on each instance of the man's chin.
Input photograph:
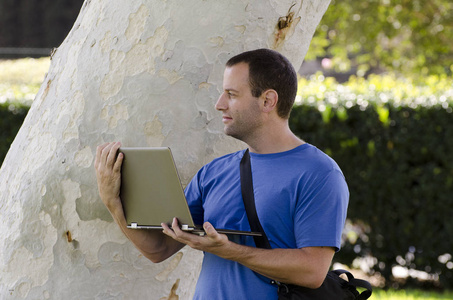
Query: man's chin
(232, 133)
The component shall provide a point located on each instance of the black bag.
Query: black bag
(333, 288)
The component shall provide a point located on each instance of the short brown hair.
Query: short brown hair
(268, 69)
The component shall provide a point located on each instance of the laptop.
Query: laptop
(152, 193)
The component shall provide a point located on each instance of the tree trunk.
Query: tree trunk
(146, 73)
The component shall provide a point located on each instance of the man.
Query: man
(300, 193)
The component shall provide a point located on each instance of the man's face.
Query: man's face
(240, 110)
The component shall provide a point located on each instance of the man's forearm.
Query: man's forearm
(306, 266)
(152, 243)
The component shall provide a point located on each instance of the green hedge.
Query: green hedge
(398, 161)
(11, 118)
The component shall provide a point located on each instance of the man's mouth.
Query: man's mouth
(226, 118)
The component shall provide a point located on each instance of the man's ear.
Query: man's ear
(270, 99)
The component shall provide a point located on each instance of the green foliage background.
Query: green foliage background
(397, 157)
(19, 83)
(410, 36)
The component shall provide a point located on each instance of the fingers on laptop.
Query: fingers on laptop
(100, 158)
(112, 154)
(98, 155)
(106, 154)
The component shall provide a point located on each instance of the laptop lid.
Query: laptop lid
(152, 193)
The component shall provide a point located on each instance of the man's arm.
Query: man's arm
(305, 267)
(153, 244)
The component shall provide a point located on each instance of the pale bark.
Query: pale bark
(146, 73)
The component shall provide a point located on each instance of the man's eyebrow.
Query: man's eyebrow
(230, 90)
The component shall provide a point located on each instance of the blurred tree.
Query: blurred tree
(408, 36)
(37, 24)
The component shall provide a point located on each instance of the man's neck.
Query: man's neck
(274, 140)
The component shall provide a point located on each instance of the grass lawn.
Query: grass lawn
(409, 295)
(20, 79)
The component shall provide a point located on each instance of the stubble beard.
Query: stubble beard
(243, 130)
(245, 125)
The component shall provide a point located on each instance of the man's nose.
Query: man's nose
(221, 103)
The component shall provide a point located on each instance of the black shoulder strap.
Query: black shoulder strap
(249, 201)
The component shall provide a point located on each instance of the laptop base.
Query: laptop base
(196, 230)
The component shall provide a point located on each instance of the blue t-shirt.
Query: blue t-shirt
(301, 198)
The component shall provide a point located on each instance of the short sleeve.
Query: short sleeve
(321, 211)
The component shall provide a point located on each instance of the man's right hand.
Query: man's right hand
(108, 174)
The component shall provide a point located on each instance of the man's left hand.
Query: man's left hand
(211, 242)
